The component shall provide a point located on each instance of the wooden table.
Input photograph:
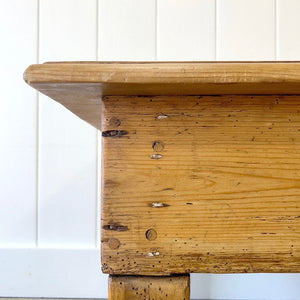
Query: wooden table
(201, 167)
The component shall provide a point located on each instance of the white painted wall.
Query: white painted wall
(50, 160)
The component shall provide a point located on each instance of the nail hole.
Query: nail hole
(158, 146)
(151, 235)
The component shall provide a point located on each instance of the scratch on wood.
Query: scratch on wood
(161, 117)
(167, 189)
(156, 156)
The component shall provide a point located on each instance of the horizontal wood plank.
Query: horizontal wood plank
(80, 85)
(201, 184)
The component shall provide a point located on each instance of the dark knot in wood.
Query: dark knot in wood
(114, 133)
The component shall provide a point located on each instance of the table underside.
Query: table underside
(200, 184)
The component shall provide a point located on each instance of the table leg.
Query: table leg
(175, 287)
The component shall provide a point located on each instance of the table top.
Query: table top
(80, 85)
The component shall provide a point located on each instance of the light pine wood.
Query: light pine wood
(201, 168)
(149, 287)
(80, 85)
(201, 184)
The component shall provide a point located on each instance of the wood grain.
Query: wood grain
(194, 179)
(220, 193)
(79, 85)
(149, 287)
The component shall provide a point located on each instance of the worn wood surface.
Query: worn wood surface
(191, 183)
(201, 184)
(149, 287)
(80, 86)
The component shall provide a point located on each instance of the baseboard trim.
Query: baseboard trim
(51, 273)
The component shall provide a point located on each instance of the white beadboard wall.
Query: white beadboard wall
(50, 160)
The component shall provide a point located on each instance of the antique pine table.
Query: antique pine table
(201, 167)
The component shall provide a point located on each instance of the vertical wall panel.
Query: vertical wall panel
(127, 30)
(288, 27)
(68, 30)
(67, 156)
(245, 30)
(186, 30)
(18, 36)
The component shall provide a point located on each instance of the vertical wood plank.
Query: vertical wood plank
(67, 170)
(149, 287)
(127, 30)
(186, 30)
(288, 25)
(18, 36)
(246, 30)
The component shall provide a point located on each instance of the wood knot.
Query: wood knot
(113, 243)
(158, 146)
(151, 234)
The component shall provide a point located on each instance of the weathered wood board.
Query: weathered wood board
(201, 184)
(155, 287)
(79, 86)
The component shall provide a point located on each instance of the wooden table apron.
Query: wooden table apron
(200, 162)
(200, 184)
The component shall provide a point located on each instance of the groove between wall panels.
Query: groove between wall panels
(98, 174)
(37, 133)
(97, 29)
(155, 22)
(216, 29)
(276, 29)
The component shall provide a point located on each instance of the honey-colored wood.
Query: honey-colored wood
(146, 287)
(80, 85)
(201, 184)
(201, 163)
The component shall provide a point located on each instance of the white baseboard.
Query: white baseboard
(63, 273)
